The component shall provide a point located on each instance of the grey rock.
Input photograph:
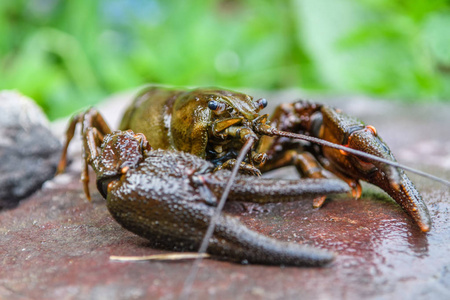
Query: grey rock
(28, 150)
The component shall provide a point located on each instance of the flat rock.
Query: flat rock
(56, 245)
(28, 150)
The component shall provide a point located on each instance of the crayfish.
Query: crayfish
(164, 170)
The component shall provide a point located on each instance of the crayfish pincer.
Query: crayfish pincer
(169, 197)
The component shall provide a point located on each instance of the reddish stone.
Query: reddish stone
(56, 245)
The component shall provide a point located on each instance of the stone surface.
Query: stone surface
(56, 245)
(28, 150)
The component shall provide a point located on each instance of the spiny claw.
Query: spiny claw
(411, 201)
(235, 240)
(179, 220)
(268, 190)
(354, 134)
(392, 180)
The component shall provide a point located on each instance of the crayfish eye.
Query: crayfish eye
(216, 106)
(212, 105)
(261, 103)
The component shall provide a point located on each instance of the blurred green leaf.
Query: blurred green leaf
(70, 54)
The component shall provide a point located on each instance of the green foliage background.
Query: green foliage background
(68, 54)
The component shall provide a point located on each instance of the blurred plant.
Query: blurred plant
(392, 48)
(69, 54)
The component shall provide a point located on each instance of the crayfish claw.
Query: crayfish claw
(152, 210)
(235, 240)
(322, 125)
(410, 200)
(351, 132)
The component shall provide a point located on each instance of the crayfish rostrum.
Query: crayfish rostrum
(163, 172)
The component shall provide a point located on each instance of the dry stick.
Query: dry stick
(359, 153)
(212, 224)
(165, 256)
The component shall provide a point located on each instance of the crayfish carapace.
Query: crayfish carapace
(169, 195)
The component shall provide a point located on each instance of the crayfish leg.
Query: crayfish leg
(91, 141)
(70, 132)
(87, 119)
(319, 201)
(93, 129)
(309, 167)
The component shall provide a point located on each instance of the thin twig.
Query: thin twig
(166, 256)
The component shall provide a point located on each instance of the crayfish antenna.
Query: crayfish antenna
(389, 176)
(187, 286)
(359, 153)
